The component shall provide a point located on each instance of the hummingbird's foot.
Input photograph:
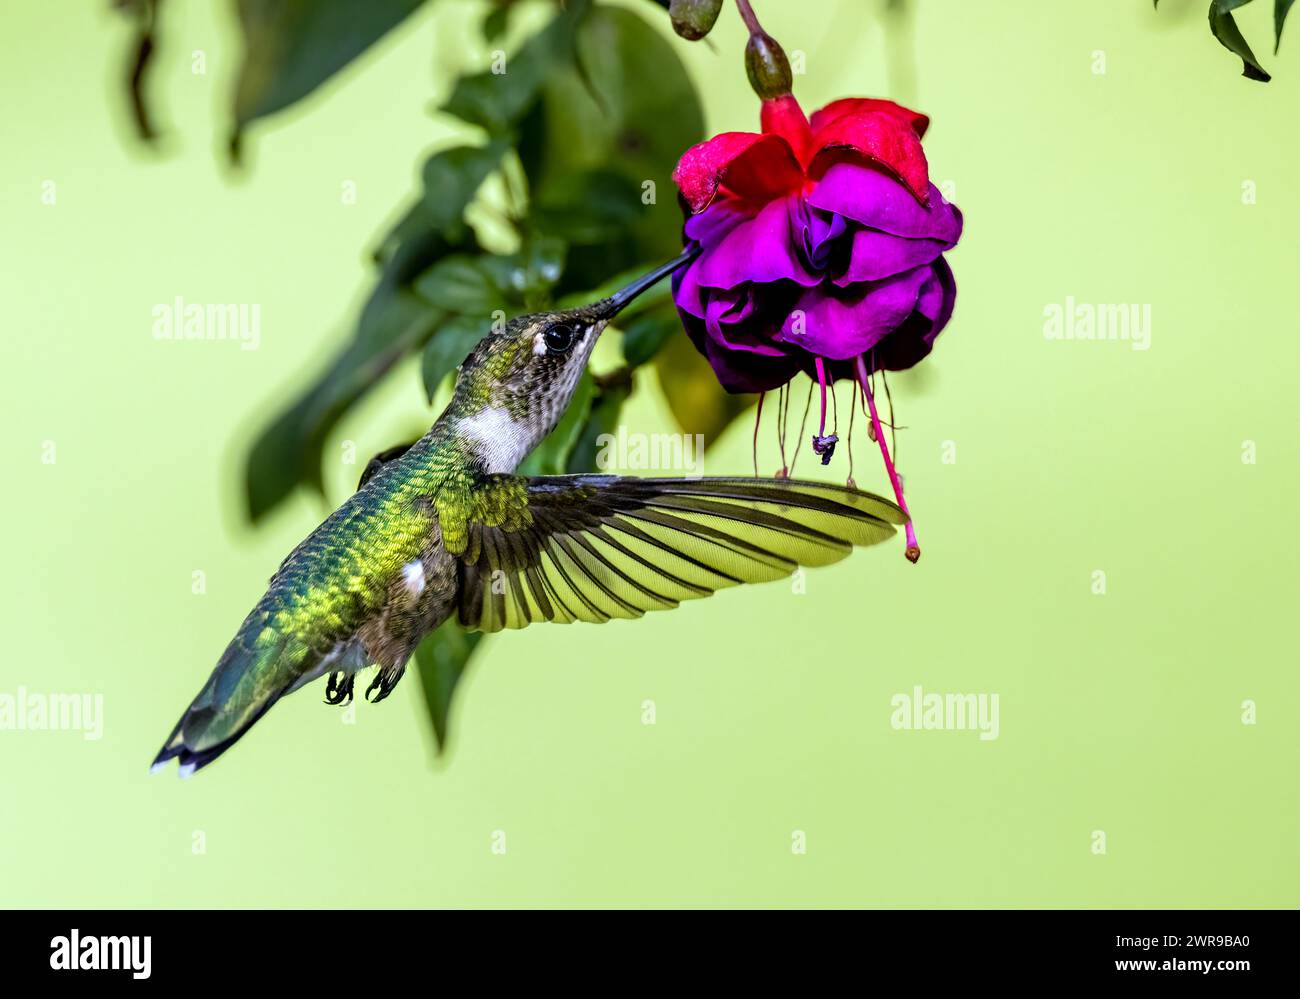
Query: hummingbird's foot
(339, 688)
(383, 684)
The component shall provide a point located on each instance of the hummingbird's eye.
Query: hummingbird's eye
(558, 338)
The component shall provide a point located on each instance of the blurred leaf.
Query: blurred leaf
(497, 100)
(601, 146)
(450, 180)
(293, 46)
(604, 410)
(594, 206)
(448, 347)
(441, 660)
(145, 13)
(1229, 35)
(648, 332)
(552, 455)
(483, 289)
(691, 388)
(496, 22)
(288, 452)
(650, 298)
(1281, 8)
(463, 284)
(392, 323)
(527, 277)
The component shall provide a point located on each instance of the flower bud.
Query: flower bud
(693, 19)
(767, 66)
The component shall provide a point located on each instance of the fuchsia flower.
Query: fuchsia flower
(821, 250)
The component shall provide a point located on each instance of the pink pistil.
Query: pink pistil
(913, 549)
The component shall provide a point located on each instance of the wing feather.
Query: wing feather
(598, 547)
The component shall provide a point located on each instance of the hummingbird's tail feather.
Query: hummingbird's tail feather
(256, 670)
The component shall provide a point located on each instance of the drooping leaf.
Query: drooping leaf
(1225, 29)
(1281, 8)
(441, 660)
(691, 389)
(291, 47)
(144, 45)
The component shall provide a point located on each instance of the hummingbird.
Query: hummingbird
(445, 527)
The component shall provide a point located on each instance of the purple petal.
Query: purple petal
(878, 201)
(759, 250)
(814, 233)
(741, 372)
(724, 320)
(836, 324)
(877, 255)
(708, 227)
(687, 292)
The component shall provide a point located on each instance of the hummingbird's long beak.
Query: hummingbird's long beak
(618, 301)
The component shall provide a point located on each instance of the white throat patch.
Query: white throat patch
(499, 442)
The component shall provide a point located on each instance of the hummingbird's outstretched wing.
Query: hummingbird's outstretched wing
(597, 547)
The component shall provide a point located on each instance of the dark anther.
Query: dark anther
(825, 446)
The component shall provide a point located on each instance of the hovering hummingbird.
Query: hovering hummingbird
(445, 526)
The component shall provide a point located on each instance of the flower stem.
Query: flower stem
(749, 17)
(913, 549)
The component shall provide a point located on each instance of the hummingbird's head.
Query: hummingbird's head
(514, 385)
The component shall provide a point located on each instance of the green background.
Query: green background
(1120, 712)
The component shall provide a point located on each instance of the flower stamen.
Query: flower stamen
(822, 443)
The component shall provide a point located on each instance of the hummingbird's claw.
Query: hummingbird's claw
(382, 685)
(339, 688)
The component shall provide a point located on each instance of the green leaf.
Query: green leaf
(481, 285)
(601, 145)
(144, 44)
(291, 47)
(552, 455)
(496, 22)
(497, 98)
(1229, 35)
(449, 181)
(1281, 8)
(647, 333)
(593, 206)
(448, 347)
(441, 660)
(288, 452)
(527, 277)
(461, 283)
